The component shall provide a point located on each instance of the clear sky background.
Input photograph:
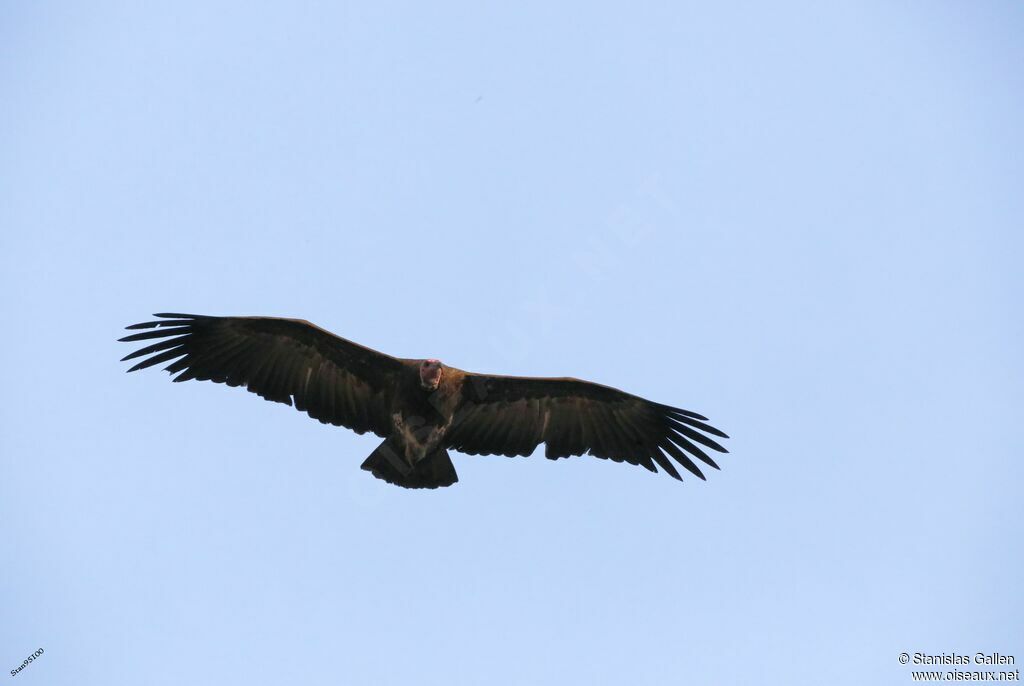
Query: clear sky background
(801, 219)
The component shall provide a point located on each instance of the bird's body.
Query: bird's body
(423, 408)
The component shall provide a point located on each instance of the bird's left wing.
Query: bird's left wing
(512, 415)
(285, 360)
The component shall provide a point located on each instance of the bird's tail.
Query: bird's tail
(434, 470)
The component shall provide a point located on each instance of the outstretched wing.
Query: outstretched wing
(512, 415)
(285, 360)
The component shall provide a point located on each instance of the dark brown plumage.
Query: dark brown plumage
(422, 408)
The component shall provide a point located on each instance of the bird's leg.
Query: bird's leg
(431, 437)
(419, 437)
(416, 435)
(406, 435)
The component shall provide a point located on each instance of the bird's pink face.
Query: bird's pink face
(430, 374)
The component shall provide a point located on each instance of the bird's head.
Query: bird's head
(430, 374)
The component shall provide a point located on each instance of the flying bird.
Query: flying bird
(423, 408)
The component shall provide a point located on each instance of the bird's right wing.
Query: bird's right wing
(285, 360)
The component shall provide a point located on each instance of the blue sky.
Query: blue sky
(800, 219)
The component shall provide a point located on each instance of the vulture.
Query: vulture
(423, 408)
